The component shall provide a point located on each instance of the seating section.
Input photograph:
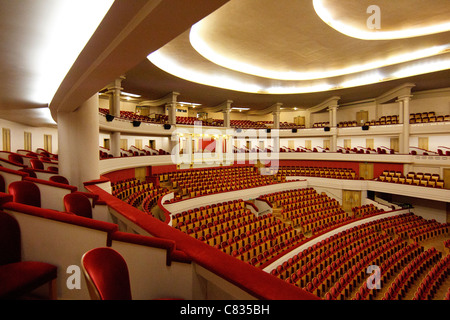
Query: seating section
(344, 124)
(425, 117)
(366, 210)
(322, 172)
(412, 178)
(235, 230)
(383, 120)
(237, 124)
(321, 124)
(306, 210)
(336, 268)
(197, 182)
(433, 280)
(140, 194)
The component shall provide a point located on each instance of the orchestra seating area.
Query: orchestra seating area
(335, 268)
(412, 178)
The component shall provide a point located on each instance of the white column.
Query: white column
(115, 90)
(78, 149)
(174, 147)
(333, 115)
(172, 113)
(400, 112)
(219, 149)
(115, 143)
(226, 118)
(405, 132)
(276, 119)
(333, 124)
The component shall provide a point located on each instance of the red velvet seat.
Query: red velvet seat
(106, 274)
(36, 164)
(78, 204)
(59, 179)
(15, 158)
(25, 192)
(19, 277)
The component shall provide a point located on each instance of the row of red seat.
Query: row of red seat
(308, 210)
(391, 253)
(391, 266)
(322, 172)
(209, 181)
(366, 210)
(378, 251)
(226, 207)
(325, 252)
(397, 289)
(433, 280)
(289, 196)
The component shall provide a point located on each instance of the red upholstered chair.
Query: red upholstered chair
(59, 179)
(15, 158)
(106, 274)
(36, 164)
(78, 204)
(18, 277)
(25, 192)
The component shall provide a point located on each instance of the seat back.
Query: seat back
(15, 158)
(36, 164)
(78, 204)
(10, 243)
(25, 192)
(59, 179)
(106, 273)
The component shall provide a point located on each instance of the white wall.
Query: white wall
(37, 136)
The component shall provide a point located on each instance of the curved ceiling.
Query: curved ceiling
(397, 19)
(284, 46)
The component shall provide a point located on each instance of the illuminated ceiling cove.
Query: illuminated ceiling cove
(288, 47)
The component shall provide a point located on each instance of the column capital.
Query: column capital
(115, 85)
(405, 97)
(333, 107)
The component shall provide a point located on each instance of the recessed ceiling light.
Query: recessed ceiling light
(133, 95)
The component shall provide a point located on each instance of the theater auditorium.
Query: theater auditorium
(225, 150)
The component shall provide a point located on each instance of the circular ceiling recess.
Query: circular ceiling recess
(285, 46)
(385, 19)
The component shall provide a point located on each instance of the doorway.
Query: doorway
(446, 174)
(350, 199)
(366, 170)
